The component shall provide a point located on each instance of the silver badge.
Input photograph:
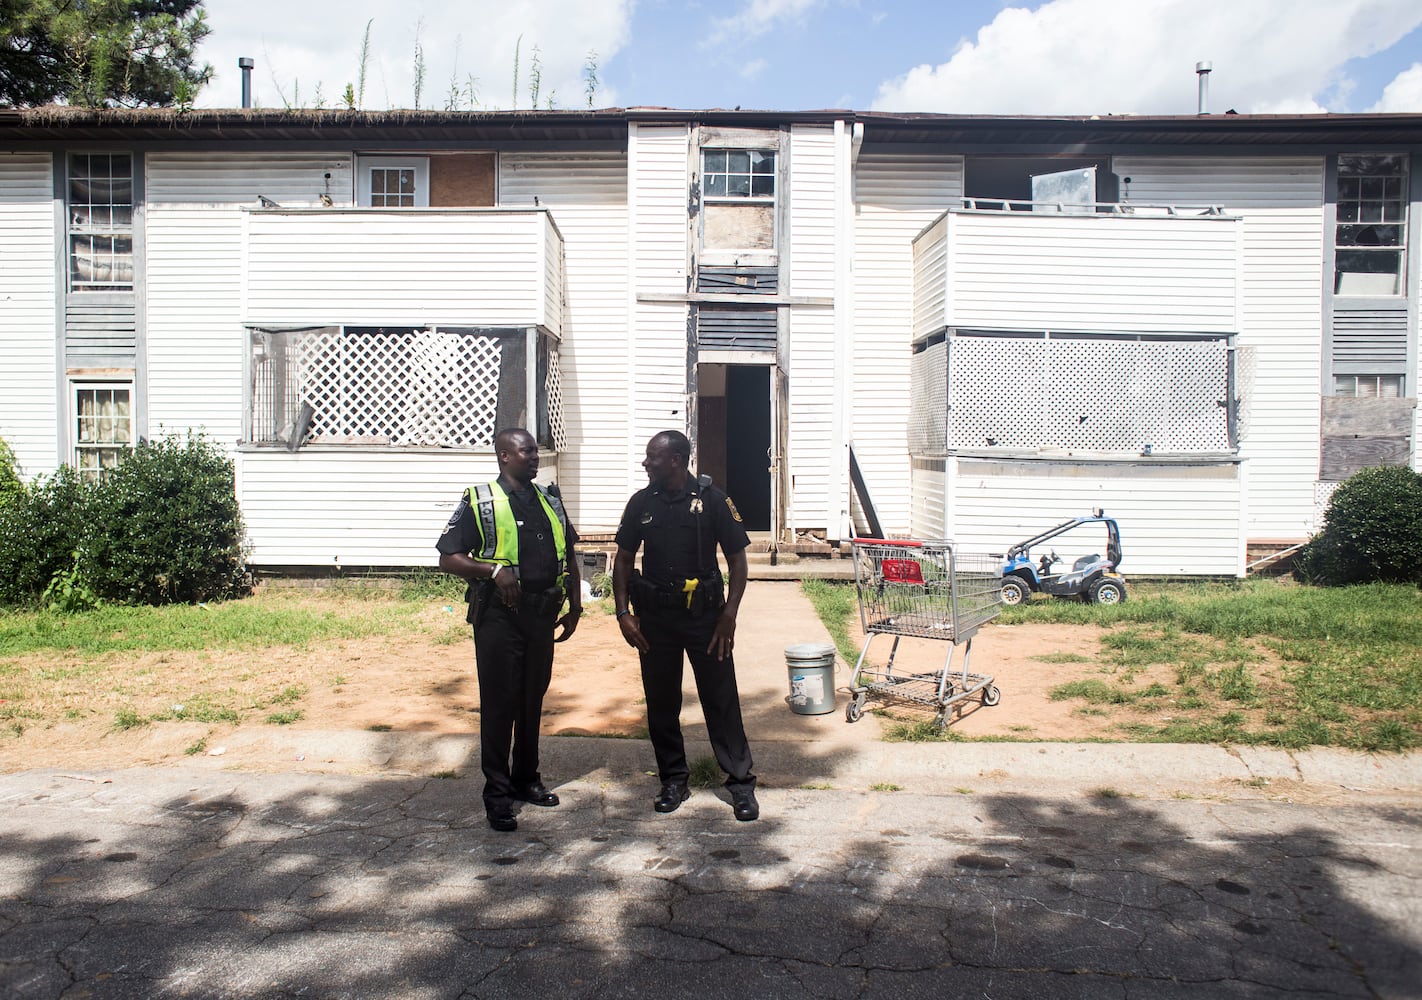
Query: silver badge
(696, 505)
(646, 518)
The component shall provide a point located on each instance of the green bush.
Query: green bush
(41, 527)
(10, 484)
(164, 527)
(1372, 531)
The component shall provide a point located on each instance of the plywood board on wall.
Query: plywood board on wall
(462, 180)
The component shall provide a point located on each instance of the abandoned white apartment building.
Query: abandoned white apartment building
(1201, 324)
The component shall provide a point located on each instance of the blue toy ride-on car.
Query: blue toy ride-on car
(1092, 578)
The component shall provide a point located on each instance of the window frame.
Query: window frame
(115, 233)
(750, 174)
(420, 165)
(1375, 379)
(767, 148)
(114, 446)
(1344, 198)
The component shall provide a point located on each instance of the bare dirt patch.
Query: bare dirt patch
(419, 678)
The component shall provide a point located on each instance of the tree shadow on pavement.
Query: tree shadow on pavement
(167, 883)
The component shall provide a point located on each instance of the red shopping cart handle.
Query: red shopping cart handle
(887, 541)
(902, 571)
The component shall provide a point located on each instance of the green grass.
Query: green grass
(1259, 661)
(885, 786)
(249, 624)
(837, 606)
(920, 732)
(705, 773)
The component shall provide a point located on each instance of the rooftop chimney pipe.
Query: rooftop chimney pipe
(1202, 70)
(246, 64)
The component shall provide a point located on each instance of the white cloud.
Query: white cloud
(474, 38)
(756, 18)
(1116, 56)
(1404, 93)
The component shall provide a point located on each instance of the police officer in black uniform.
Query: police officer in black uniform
(677, 605)
(516, 593)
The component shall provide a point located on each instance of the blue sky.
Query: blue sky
(954, 56)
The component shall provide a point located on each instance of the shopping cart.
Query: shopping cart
(924, 590)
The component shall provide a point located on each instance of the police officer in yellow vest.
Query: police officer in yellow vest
(511, 539)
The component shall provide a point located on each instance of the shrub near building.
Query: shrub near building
(1372, 531)
(163, 527)
(41, 526)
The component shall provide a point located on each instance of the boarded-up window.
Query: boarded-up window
(1361, 433)
(738, 199)
(462, 180)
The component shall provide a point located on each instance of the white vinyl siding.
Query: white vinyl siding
(472, 267)
(929, 506)
(587, 194)
(28, 417)
(194, 224)
(813, 393)
(1174, 520)
(896, 196)
(1024, 271)
(332, 509)
(655, 377)
(1281, 202)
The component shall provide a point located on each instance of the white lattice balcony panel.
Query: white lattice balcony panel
(1169, 272)
(398, 387)
(382, 267)
(1073, 395)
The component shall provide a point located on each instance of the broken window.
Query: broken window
(738, 199)
(1371, 236)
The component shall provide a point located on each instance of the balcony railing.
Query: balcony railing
(1082, 268)
(486, 268)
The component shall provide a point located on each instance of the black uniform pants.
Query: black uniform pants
(514, 654)
(670, 634)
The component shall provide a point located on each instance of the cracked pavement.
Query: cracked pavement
(199, 882)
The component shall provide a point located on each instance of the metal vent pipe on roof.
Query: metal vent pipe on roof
(1202, 70)
(246, 64)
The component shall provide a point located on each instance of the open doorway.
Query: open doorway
(734, 434)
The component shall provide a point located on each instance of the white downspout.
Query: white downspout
(838, 523)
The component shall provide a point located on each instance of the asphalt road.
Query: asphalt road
(993, 871)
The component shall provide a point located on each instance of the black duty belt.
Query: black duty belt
(693, 596)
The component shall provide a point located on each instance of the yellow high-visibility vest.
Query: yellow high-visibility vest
(498, 531)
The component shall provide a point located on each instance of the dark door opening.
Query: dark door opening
(748, 443)
(734, 436)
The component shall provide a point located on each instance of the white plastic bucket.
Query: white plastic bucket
(811, 666)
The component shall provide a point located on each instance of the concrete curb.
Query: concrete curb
(937, 768)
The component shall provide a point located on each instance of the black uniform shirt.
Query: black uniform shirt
(538, 566)
(669, 524)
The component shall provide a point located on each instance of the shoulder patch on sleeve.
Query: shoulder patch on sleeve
(734, 513)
